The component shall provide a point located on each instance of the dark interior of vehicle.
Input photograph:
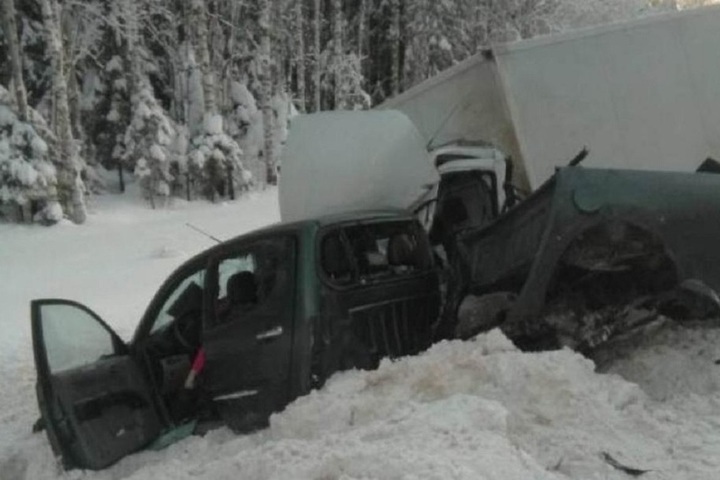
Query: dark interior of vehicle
(169, 352)
(465, 199)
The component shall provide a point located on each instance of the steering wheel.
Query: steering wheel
(186, 330)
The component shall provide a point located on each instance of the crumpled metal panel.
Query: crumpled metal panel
(681, 209)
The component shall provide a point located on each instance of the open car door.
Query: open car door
(94, 399)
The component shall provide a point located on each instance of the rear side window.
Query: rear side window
(366, 253)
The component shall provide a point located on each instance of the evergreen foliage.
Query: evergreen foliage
(27, 175)
(148, 142)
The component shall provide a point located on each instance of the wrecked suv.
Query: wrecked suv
(275, 311)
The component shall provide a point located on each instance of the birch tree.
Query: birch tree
(362, 30)
(10, 28)
(266, 90)
(199, 21)
(337, 50)
(395, 46)
(70, 185)
(300, 53)
(317, 69)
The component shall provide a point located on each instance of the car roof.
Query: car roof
(320, 222)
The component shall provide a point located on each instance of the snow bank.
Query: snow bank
(673, 364)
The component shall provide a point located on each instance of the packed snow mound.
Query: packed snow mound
(660, 363)
(530, 415)
(479, 409)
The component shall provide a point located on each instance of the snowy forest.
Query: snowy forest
(193, 98)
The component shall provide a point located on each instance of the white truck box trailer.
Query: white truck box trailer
(644, 94)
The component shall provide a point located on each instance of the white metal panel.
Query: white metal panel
(338, 162)
(644, 95)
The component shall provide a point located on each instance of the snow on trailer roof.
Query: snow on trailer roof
(336, 162)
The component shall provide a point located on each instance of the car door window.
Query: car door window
(185, 298)
(253, 277)
(72, 337)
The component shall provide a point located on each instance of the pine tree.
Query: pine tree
(27, 175)
(215, 162)
(244, 123)
(148, 140)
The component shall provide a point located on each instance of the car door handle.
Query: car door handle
(272, 333)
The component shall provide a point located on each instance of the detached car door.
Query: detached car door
(248, 336)
(92, 395)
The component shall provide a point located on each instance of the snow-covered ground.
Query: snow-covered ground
(463, 410)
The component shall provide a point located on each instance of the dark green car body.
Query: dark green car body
(329, 294)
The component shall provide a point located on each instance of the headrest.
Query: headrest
(242, 288)
(402, 250)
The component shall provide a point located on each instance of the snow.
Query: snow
(479, 409)
(445, 45)
(157, 154)
(213, 124)
(114, 64)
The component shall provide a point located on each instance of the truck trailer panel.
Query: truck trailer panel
(640, 94)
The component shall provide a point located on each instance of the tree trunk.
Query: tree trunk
(395, 46)
(10, 28)
(362, 18)
(266, 92)
(208, 81)
(300, 54)
(228, 51)
(337, 51)
(317, 27)
(121, 177)
(132, 34)
(68, 37)
(70, 185)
